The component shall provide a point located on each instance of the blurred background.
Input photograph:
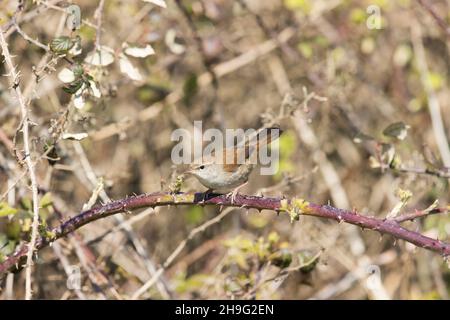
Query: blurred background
(360, 89)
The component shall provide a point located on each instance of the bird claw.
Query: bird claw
(232, 195)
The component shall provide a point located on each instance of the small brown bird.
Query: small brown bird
(229, 169)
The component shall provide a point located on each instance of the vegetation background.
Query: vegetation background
(354, 85)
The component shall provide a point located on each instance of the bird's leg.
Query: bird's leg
(206, 194)
(235, 191)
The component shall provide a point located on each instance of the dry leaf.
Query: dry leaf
(160, 3)
(102, 57)
(127, 68)
(94, 90)
(138, 52)
(75, 136)
(66, 75)
(78, 100)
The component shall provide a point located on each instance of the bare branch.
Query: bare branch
(28, 38)
(14, 81)
(419, 214)
(433, 102)
(178, 250)
(98, 16)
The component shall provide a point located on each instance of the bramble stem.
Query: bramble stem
(298, 206)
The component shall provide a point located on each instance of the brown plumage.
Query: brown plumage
(230, 168)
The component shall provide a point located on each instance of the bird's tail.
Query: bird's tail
(264, 137)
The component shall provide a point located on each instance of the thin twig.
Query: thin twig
(433, 102)
(9, 27)
(354, 129)
(98, 16)
(419, 214)
(204, 80)
(96, 275)
(197, 253)
(28, 38)
(14, 80)
(178, 250)
(440, 173)
(67, 267)
(207, 63)
(127, 229)
(54, 7)
(6, 141)
(128, 223)
(270, 34)
(441, 22)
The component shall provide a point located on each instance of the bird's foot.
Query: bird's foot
(234, 193)
(205, 195)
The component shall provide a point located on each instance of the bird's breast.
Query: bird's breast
(226, 180)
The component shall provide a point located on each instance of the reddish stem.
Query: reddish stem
(440, 21)
(384, 226)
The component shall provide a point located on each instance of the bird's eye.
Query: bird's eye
(201, 167)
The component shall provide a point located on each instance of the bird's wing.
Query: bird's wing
(235, 156)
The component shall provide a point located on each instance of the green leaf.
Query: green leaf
(361, 137)
(6, 210)
(26, 203)
(61, 44)
(301, 5)
(195, 282)
(6, 246)
(46, 200)
(194, 215)
(257, 221)
(88, 77)
(306, 49)
(308, 261)
(13, 229)
(397, 130)
(436, 80)
(78, 70)
(281, 258)
(273, 237)
(358, 15)
(190, 88)
(288, 145)
(387, 153)
(73, 87)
